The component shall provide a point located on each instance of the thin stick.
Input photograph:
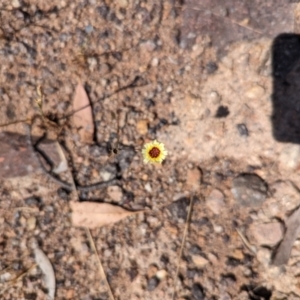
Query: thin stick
(99, 263)
(13, 281)
(24, 273)
(246, 243)
(181, 247)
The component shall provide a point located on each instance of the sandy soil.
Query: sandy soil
(203, 78)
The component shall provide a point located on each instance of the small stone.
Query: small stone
(148, 187)
(161, 274)
(178, 209)
(16, 3)
(145, 177)
(31, 223)
(169, 89)
(242, 129)
(148, 46)
(106, 175)
(123, 3)
(255, 92)
(32, 201)
(237, 254)
(197, 292)
(125, 157)
(199, 261)
(214, 97)
(195, 249)
(152, 270)
(268, 234)
(290, 156)
(154, 62)
(89, 29)
(285, 193)
(264, 256)
(70, 294)
(222, 112)
(115, 193)
(5, 276)
(249, 190)
(215, 201)
(193, 178)
(142, 126)
(103, 82)
(104, 69)
(22, 220)
(92, 63)
(212, 258)
(152, 283)
(211, 67)
(218, 228)
(153, 221)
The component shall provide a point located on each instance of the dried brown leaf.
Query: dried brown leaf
(83, 116)
(45, 265)
(283, 252)
(93, 215)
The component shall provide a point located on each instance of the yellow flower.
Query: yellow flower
(154, 152)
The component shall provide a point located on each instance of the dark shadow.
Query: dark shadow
(286, 88)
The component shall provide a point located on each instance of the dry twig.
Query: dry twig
(111, 296)
(182, 245)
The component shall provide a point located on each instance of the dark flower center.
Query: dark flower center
(154, 152)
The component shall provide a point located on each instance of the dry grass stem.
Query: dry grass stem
(111, 296)
(13, 281)
(182, 245)
(246, 243)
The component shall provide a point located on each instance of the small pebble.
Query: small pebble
(222, 112)
(242, 129)
(255, 92)
(89, 29)
(154, 62)
(92, 63)
(152, 283)
(215, 201)
(197, 292)
(148, 46)
(32, 201)
(290, 156)
(161, 274)
(178, 209)
(211, 67)
(264, 256)
(104, 69)
(142, 126)
(218, 228)
(31, 223)
(106, 175)
(115, 193)
(214, 97)
(249, 190)
(199, 261)
(148, 187)
(122, 3)
(268, 234)
(16, 3)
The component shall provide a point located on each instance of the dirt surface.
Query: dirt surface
(205, 79)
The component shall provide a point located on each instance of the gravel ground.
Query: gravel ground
(210, 82)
